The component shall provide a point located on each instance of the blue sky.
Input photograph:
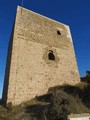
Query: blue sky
(75, 13)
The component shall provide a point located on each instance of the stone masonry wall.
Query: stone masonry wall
(31, 71)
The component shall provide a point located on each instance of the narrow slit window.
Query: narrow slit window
(51, 55)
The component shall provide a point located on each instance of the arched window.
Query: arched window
(51, 55)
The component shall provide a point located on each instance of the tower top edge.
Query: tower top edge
(20, 7)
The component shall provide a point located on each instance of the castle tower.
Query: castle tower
(40, 56)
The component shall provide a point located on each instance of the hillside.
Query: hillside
(58, 103)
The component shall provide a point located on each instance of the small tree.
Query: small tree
(88, 73)
(58, 109)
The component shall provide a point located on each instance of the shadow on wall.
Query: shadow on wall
(7, 70)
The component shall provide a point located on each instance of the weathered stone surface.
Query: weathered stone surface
(29, 71)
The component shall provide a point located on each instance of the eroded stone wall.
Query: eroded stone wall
(31, 71)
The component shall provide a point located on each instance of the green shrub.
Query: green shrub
(62, 104)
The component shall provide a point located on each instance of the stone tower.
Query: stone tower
(40, 56)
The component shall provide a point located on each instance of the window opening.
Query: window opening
(58, 32)
(51, 55)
